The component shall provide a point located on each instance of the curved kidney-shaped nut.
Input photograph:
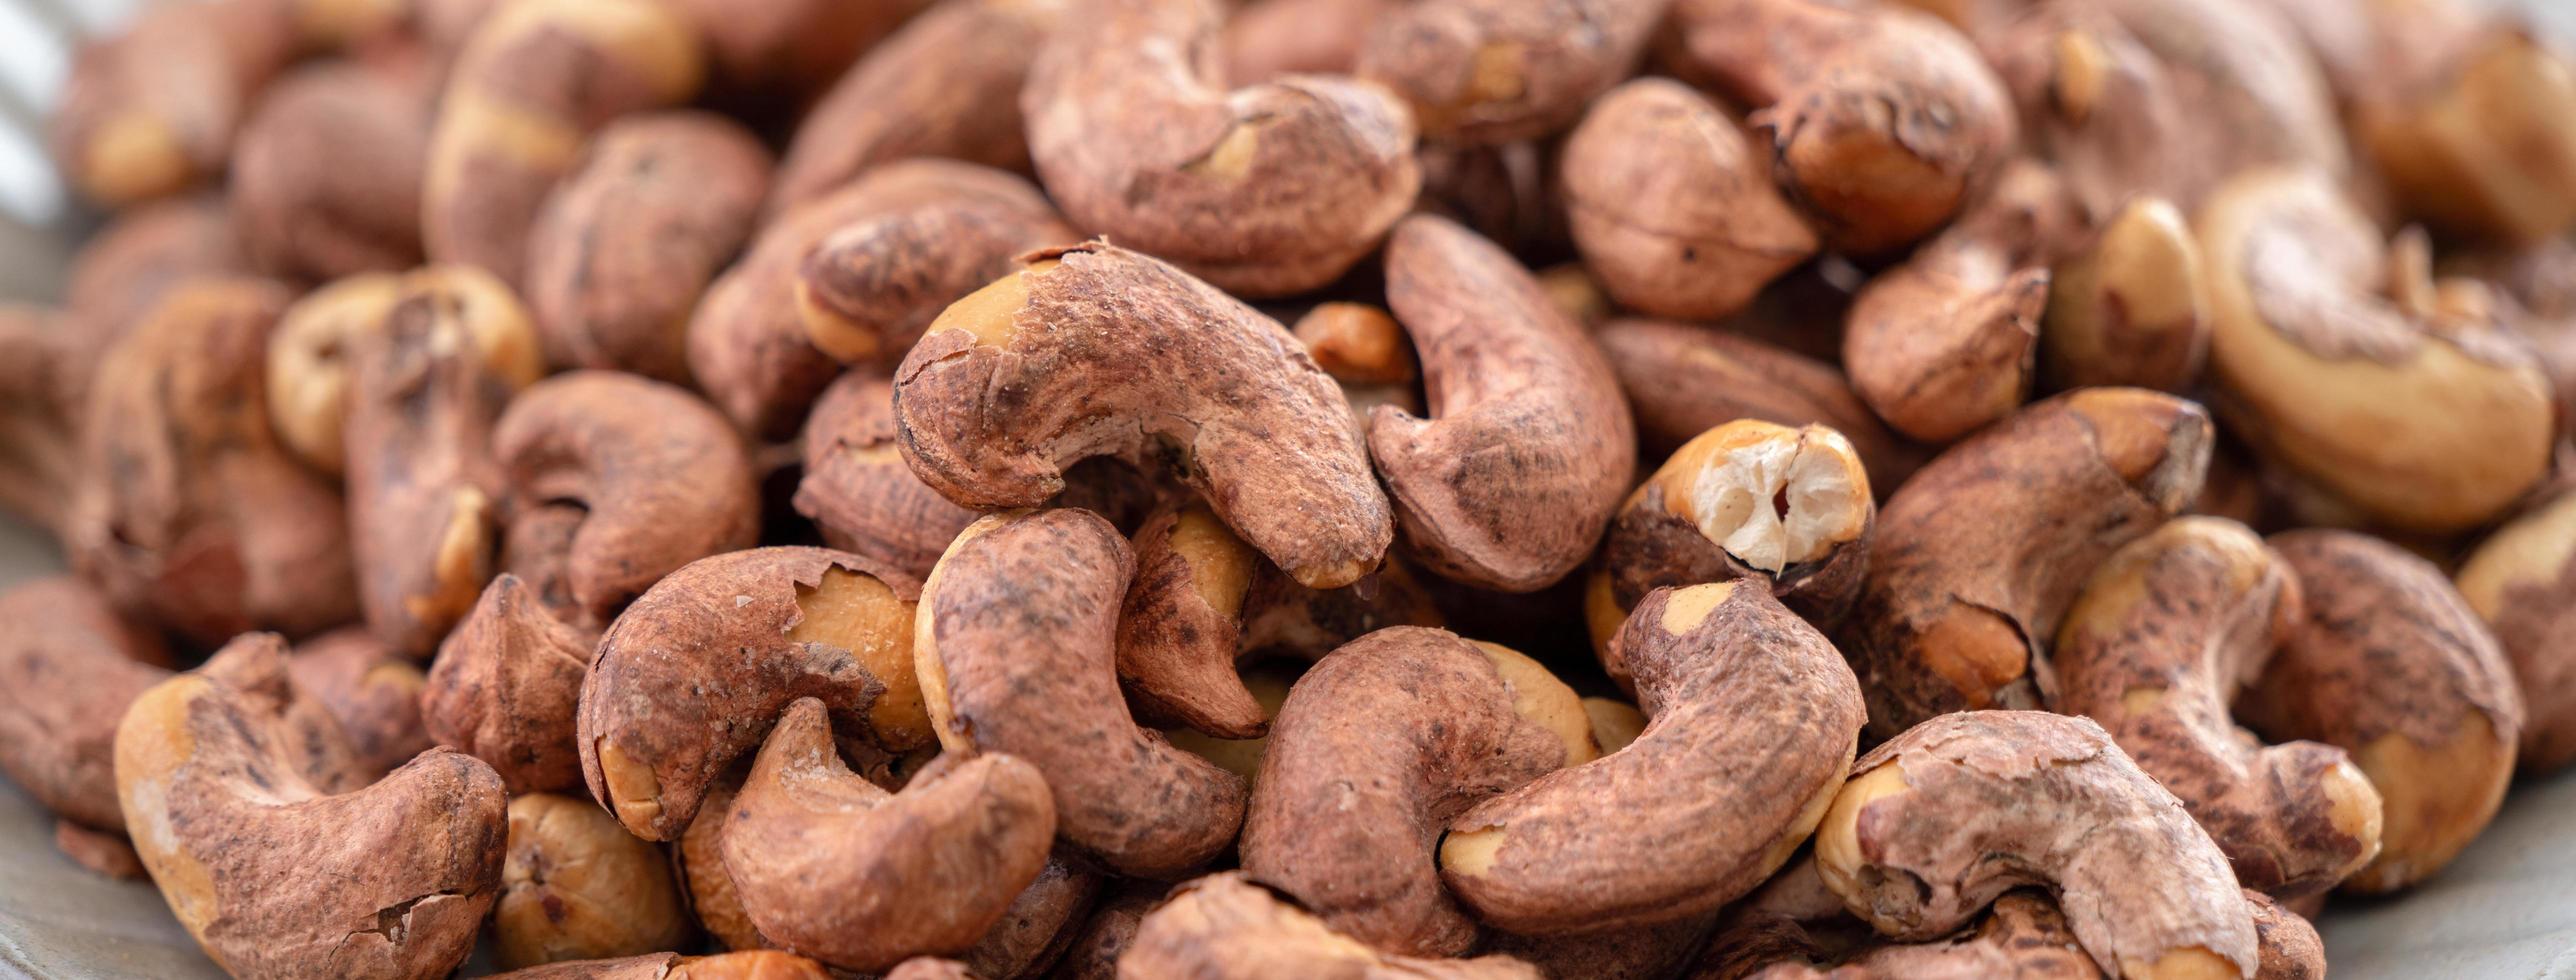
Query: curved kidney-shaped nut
(657, 476)
(1497, 71)
(1672, 206)
(1015, 650)
(576, 886)
(687, 681)
(2388, 663)
(2288, 944)
(2469, 130)
(505, 686)
(2165, 632)
(326, 177)
(68, 669)
(533, 82)
(1974, 560)
(1265, 39)
(1227, 925)
(1529, 444)
(656, 207)
(310, 363)
(933, 231)
(1095, 350)
(274, 850)
(2023, 936)
(2522, 581)
(1938, 822)
(1376, 749)
(831, 866)
(785, 50)
(1884, 121)
(374, 692)
(2425, 420)
(124, 270)
(857, 488)
(1790, 508)
(151, 111)
(762, 964)
(2129, 307)
(1268, 190)
(1683, 380)
(1702, 806)
(187, 512)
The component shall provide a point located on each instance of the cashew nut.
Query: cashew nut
(68, 669)
(576, 886)
(2128, 307)
(2522, 581)
(1229, 926)
(930, 233)
(326, 174)
(374, 692)
(505, 687)
(1684, 380)
(1495, 71)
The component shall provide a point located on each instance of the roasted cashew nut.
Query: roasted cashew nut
(2522, 581)
(1228, 925)
(506, 686)
(1483, 72)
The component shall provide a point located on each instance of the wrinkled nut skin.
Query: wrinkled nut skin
(1376, 750)
(188, 513)
(1974, 561)
(1787, 508)
(373, 691)
(688, 679)
(1529, 445)
(68, 670)
(1941, 820)
(749, 965)
(312, 360)
(1101, 941)
(657, 476)
(1945, 344)
(1682, 380)
(1884, 122)
(2129, 307)
(2164, 634)
(327, 173)
(1039, 925)
(151, 111)
(505, 686)
(2023, 936)
(657, 206)
(1228, 925)
(2288, 944)
(1496, 71)
(2425, 420)
(857, 488)
(804, 826)
(533, 82)
(2522, 581)
(934, 232)
(1268, 190)
(946, 85)
(576, 886)
(1098, 351)
(2388, 663)
(1673, 207)
(1709, 806)
(1015, 651)
(273, 848)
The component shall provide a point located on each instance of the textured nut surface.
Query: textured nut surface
(326, 177)
(1495, 71)
(576, 886)
(2522, 581)
(505, 686)
(931, 232)
(1230, 926)
(67, 673)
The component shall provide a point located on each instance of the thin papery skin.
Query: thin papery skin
(1683, 379)
(68, 669)
(1529, 446)
(1378, 747)
(1976, 803)
(374, 691)
(2288, 943)
(1483, 72)
(1115, 353)
(1229, 925)
(2023, 937)
(1707, 806)
(505, 687)
(936, 231)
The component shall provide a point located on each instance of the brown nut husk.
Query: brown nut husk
(1039, 925)
(1673, 207)
(2426, 418)
(576, 886)
(273, 848)
(2522, 581)
(1496, 71)
(1975, 560)
(697, 861)
(2129, 307)
(374, 692)
(124, 270)
(655, 477)
(505, 687)
(617, 261)
(1015, 649)
(804, 826)
(2463, 109)
(1095, 350)
(2165, 633)
(151, 111)
(857, 488)
(687, 681)
(1940, 821)
(188, 513)
(1268, 190)
(785, 50)
(2389, 664)
(1529, 444)
(1682, 380)
(46, 360)
(2024, 936)
(932, 232)
(1711, 806)
(326, 176)
(1102, 940)
(67, 672)
(1229, 926)
(1376, 749)
(2289, 946)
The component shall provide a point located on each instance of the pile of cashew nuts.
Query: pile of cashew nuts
(1619, 489)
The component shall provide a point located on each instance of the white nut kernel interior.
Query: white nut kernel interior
(1771, 495)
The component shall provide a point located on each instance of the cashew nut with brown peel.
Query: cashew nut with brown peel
(1038, 925)
(374, 692)
(1265, 39)
(762, 964)
(1787, 508)
(46, 359)
(1683, 380)
(1267, 190)
(2522, 581)
(2288, 944)
(505, 687)
(123, 271)
(928, 233)
(1497, 71)
(2165, 632)
(2023, 936)
(2425, 418)
(688, 679)
(273, 848)
(1231, 927)
(311, 362)
(1673, 207)
(1938, 822)
(1095, 350)
(576, 886)
(2128, 307)
(68, 669)
(1378, 747)
(1707, 805)
(631, 479)
(326, 174)
(1015, 649)
(151, 111)
(1529, 444)
(1974, 561)
(2464, 111)
(2389, 664)
(1362, 347)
